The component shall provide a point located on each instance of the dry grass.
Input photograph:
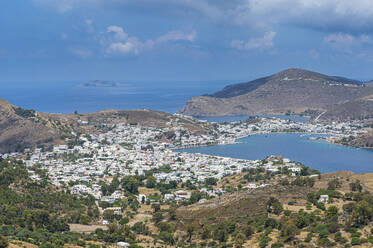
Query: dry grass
(239, 205)
(85, 228)
(146, 241)
(146, 191)
(346, 177)
(145, 209)
(366, 179)
(296, 208)
(21, 244)
(233, 180)
(140, 218)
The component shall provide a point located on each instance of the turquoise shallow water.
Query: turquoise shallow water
(319, 154)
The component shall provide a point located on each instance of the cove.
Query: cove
(316, 154)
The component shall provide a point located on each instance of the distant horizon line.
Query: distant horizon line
(238, 80)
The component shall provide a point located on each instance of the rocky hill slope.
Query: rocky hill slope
(361, 141)
(21, 128)
(359, 109)
(293, 90)
(238, 205)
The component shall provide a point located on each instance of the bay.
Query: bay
(317, 154)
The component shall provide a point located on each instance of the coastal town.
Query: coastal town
(133, 150)
(186, 124)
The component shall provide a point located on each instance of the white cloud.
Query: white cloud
(340, 38)
(120, 43)
(346, 41)
(118, 32)
(260, 43)
(82, 53)
(89, 26)
(177, 35)
(122, 48)
(330, 15)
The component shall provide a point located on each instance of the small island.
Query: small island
(101, 83)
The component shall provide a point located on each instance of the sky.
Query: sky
(179, 40)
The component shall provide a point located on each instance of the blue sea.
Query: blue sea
(66, 97)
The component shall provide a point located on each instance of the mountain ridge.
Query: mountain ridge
(294, 90)
(242, 88)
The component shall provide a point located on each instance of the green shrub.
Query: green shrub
(370, 239)
(325, 242)
(356, 234)
(308, 238)
(277, 245)
(264, 241)
(338, 238)
(355, 241)
(287, 212)
(324, 233)
(3, 242)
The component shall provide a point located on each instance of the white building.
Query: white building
(324, 198)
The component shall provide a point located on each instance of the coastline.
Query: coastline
(317, 154)
(333, 141)
(256, 133)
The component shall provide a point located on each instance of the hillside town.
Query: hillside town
(186, 124)
(236, 130)
(133, 150)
